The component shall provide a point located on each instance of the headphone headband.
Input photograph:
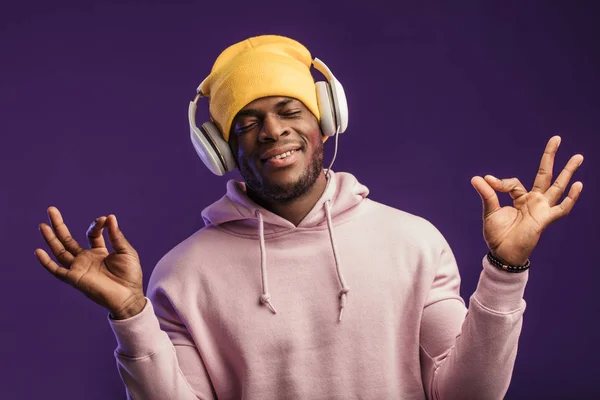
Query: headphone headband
(199, 89)
(323, 69)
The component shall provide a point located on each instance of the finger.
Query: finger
(62, 232)
(94, 233)
(513, 186)
(62, 255)
(567, 204)
(116, 237)
(52, 267)
(557, 189)
(489, 199)
(544, 175)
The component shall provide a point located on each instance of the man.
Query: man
(299, 286)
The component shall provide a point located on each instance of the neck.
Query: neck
(294, 210)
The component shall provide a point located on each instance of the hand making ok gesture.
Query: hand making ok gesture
(113, 280)
(511, 233)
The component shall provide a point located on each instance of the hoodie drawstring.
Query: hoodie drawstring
(345, 289)
(265, 298)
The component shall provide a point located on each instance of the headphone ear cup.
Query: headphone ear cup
(221, 145)
(326, 108)
(340, 105)
(212, 149)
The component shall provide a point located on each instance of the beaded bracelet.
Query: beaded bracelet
(509, 268)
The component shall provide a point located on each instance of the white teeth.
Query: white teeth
(283, 155)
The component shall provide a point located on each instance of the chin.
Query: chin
(283, 177)
(283, 184)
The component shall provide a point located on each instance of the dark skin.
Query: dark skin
(271, 123)
(114, 279)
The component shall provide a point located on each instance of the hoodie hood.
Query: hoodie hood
(236, 212)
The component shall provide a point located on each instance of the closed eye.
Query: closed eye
(291, 113)
(246, 128)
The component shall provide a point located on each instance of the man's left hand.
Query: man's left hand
(512, 233)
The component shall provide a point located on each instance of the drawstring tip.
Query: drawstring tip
(266, 299)
(343, 295)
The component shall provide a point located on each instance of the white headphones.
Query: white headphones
(215, 152)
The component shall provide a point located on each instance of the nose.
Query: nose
(272, 128)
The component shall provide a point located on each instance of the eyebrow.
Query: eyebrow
(253, 112)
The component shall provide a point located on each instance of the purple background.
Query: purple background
(93, 105)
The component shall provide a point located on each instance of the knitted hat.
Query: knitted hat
(267, 65)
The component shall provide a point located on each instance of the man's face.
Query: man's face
(278, 148)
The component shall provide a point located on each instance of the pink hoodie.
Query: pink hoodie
(249, 307)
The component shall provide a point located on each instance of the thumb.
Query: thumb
(116, 237)
(489, 199)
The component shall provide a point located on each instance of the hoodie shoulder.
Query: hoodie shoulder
(187, 256)
(414, 229)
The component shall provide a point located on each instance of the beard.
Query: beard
(287, 192)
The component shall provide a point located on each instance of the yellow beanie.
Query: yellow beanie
(267, 65)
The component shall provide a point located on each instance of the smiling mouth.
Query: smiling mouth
(281, 156)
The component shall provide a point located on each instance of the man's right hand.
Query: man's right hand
(113, 280)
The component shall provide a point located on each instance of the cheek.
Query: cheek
(317, 139)
(247, 161)
(242, 151)
(242, 157)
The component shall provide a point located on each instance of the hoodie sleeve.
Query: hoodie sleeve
(468, 354)
(157, 363)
